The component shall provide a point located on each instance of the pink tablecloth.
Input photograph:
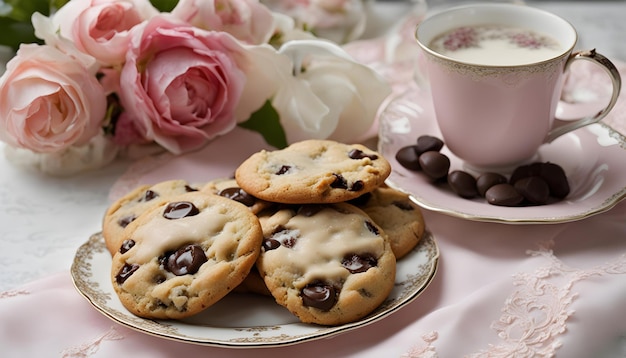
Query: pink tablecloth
(501, 290)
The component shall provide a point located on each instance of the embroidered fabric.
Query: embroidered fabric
(535, 314)
(89, 348)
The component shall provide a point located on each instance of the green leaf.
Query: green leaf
(13, 33)
(21, 10)
(267, 122)
(164, 5)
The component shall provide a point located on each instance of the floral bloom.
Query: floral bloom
(247, 20)
(101, 28)
(331, 97)
(181, 85)
(337, 20)
(49, 101)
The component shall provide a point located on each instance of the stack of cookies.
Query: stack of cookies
(312, 225)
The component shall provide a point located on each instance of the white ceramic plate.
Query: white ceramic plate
(593, 157)
(243, 320)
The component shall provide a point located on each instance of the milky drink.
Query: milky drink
(496, 45)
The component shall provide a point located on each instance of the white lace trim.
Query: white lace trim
(535, 314)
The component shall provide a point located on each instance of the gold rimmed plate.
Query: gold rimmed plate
(243, 320)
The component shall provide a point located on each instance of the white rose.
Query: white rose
(331, 95)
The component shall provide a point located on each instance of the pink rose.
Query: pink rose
(49, 101)
(101, 28)
(247, 20)
(181, 86)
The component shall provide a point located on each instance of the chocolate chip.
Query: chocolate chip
(357, 186)
(270, 244)
(190, 189)
(179, 210)
(123, 222)
(426, 143)
(435, 164)
(286, 237)
(534, 189)
(487, 180)
(149, 195)
(283, 169)
(556, 179)
(503, 195)
(409, 158)
(239, 195)
(186, 260)
(372, 228)
(127, 245)
(359, 154)
(463, 184)
(319, 295)
(340, 182)
(359, 263)
(125, 272)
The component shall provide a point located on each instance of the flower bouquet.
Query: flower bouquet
(105, 77)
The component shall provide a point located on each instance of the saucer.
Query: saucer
(593, 158)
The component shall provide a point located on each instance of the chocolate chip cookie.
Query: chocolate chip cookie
(399, 217)
(327, 263)
(313, 171)
(127, 208)
(184, 255)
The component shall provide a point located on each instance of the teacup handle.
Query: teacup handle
(560, 126)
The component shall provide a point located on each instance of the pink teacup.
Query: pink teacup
(496, 73)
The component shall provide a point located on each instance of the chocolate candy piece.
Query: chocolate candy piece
(408, 157)
(359, 263)
(320, 295)
(525, 171)
(463, 184)
(186, 260)
(534, 189)
(179, 210)
(239, 195)
(435, 164)
(426, 143)
(556, 179)
(125, 272)
(487, 180)
(503, 195)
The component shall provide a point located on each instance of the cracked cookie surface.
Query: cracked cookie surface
(313, 171)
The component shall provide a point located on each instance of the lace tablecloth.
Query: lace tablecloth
(500, 290)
